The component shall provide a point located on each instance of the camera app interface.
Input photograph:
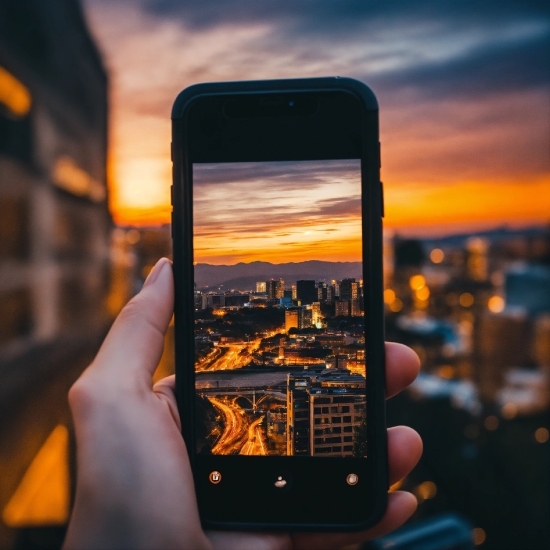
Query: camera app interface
(279, 309)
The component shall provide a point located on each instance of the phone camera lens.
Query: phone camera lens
(291, 103)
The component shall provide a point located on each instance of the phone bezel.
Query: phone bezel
(187, 146)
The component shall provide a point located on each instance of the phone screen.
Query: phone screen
(279, 301)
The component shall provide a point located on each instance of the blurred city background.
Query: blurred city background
(85, 95)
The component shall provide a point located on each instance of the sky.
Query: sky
(277, 211)
(463, 88)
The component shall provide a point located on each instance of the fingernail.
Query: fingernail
(155, 272)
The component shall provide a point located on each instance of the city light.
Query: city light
(542, 435)
(478, 536)
(14, 94)
(496, 304)
(389, 296)
(466, 299)
(416, 282)
(423, 293)
(425, 491)
(437, 255)
(491, 423)
(396, 305)
(509, 411)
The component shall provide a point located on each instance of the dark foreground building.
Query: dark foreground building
(54, 223)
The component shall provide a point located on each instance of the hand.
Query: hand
(134, 484)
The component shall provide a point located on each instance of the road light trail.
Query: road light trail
(254, 445)
(235, 431)
(233, 358)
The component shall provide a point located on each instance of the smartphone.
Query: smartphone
(279, 342)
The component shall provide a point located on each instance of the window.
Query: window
(348, 429)
(347, 418)
(15, 314)
(348, 438)
(336, 420)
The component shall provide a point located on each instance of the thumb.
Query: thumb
(133, 347)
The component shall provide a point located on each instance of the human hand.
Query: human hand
(134, 484)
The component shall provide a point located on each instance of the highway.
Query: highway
(232, 358)
(235, 433)
(255, 444)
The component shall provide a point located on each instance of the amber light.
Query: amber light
(437, 255)
(416, 282)
(496, 304)
(14, 94)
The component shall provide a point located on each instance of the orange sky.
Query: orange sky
(277, 211)
(449, 159)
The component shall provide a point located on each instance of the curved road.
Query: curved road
(235, 431)
(255, 444)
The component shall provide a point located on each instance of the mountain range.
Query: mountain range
(244, 276)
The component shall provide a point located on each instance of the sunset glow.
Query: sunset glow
(464, 146)
(277, 211)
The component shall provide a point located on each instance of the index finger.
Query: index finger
(402, 366)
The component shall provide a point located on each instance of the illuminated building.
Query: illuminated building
(55, 227)
(307, 292)
(261, 287)
(316, 316)
(337, 362)
(341, 308)
(325, 293)
(476, 258)
(285, 302)
(349, 289)
(294, 291)
(354, 309)
(291, 319)
(275, 289)
(323, 410)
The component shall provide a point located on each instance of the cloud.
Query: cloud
(463, 86)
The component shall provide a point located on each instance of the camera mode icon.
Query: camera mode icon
(215, 477)
(352, 479)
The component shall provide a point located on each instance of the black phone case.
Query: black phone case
(372, 263)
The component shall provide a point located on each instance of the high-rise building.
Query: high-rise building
(275, 289)
(323, 411)
(307, 291)
(354, 309)
(291, 319)
(297, 415)
(349, 289)
(341, 308)
(261, 287)
(325, 293)
(316, 315)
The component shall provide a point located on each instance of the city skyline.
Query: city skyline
(277, 211)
